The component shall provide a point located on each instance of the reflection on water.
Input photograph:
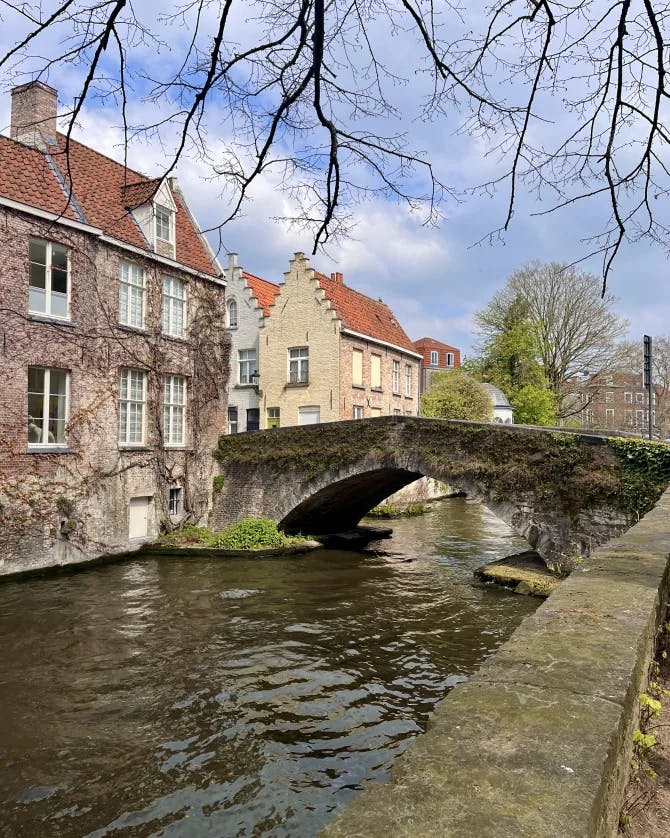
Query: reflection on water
(186, 697)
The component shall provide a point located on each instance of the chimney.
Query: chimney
(34, 107)
(337, 277)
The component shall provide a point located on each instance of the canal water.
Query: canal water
(188, 697)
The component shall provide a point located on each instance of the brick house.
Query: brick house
(328, 352)
(113, 354)
(435, 357)
(248, 301)
(617, 401)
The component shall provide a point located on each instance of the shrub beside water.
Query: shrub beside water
(247, 534)
(387, 510)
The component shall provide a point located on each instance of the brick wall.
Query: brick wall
(375, 400)
(70, 505)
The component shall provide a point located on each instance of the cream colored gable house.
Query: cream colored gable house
(328, 352)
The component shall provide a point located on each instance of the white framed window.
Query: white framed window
(232, 420)
(174, 307)
(639, 398)
(358, 411)
(376, 372)
(164, 224)
(132, 293)
(232, 315)
(450, 359)
(309, 415)
(396, 376)
(132, 403)
(433, 358)
(174, 501)
(608, 397)
(49, 281)
(628, 398)
(357, 367)
(174, 410)
(408, 380)
(48, 406)
(638, 419)
(247, 365)
(609, 416)
(397, 411)
(298, 365)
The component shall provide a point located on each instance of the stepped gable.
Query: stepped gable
(360, 313)
(263, 290)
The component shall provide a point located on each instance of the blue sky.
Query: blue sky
(435, 279)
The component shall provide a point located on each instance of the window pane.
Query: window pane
(59, 280)
(59, 305)
(38, 276)
(36, 380)
(37, 300)
(38, 251)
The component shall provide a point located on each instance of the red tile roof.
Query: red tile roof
(102, 191)
(264, 291)
(363, 314)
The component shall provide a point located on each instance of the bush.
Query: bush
(250, 533)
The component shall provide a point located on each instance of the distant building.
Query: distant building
(435, 357)
(328, 352)
(503, 412)
(248, 301)
(617, 401)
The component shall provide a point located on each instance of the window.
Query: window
(639, 398)
(433, 358)
(132, 399)
(397, 411)
(48, 291)
(396, 376)
(273, 417)
(408, 380)
(376, 372)
(628, 398)
(609, 417)
(608, 398)
(174, 409)
(450, 359)
(309, 415)
(253, 419)
(47, 406)
(232, 420)
(358, 411)
(357, 368)
(174, 501)
(232, 314)
(298, 365)
(639, 421)
(247, 365)
(131, 295)
(629, 418)
(164, 224)
(174, 307)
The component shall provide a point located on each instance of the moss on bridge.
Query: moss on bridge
(579, 471)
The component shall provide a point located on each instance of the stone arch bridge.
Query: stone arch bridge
(564, 492)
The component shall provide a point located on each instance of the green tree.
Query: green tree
(456, 395)
(534, 405)
(547, 325)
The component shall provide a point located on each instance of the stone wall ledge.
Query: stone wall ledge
(538, 743)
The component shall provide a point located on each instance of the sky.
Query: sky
(434, 278)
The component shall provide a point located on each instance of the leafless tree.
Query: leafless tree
(571, 97)
(574, 329)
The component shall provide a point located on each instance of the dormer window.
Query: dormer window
(164, 224)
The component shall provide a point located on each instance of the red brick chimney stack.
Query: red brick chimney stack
(337, 277)
(34, 108)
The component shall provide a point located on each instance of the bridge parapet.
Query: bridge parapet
(564, 492)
